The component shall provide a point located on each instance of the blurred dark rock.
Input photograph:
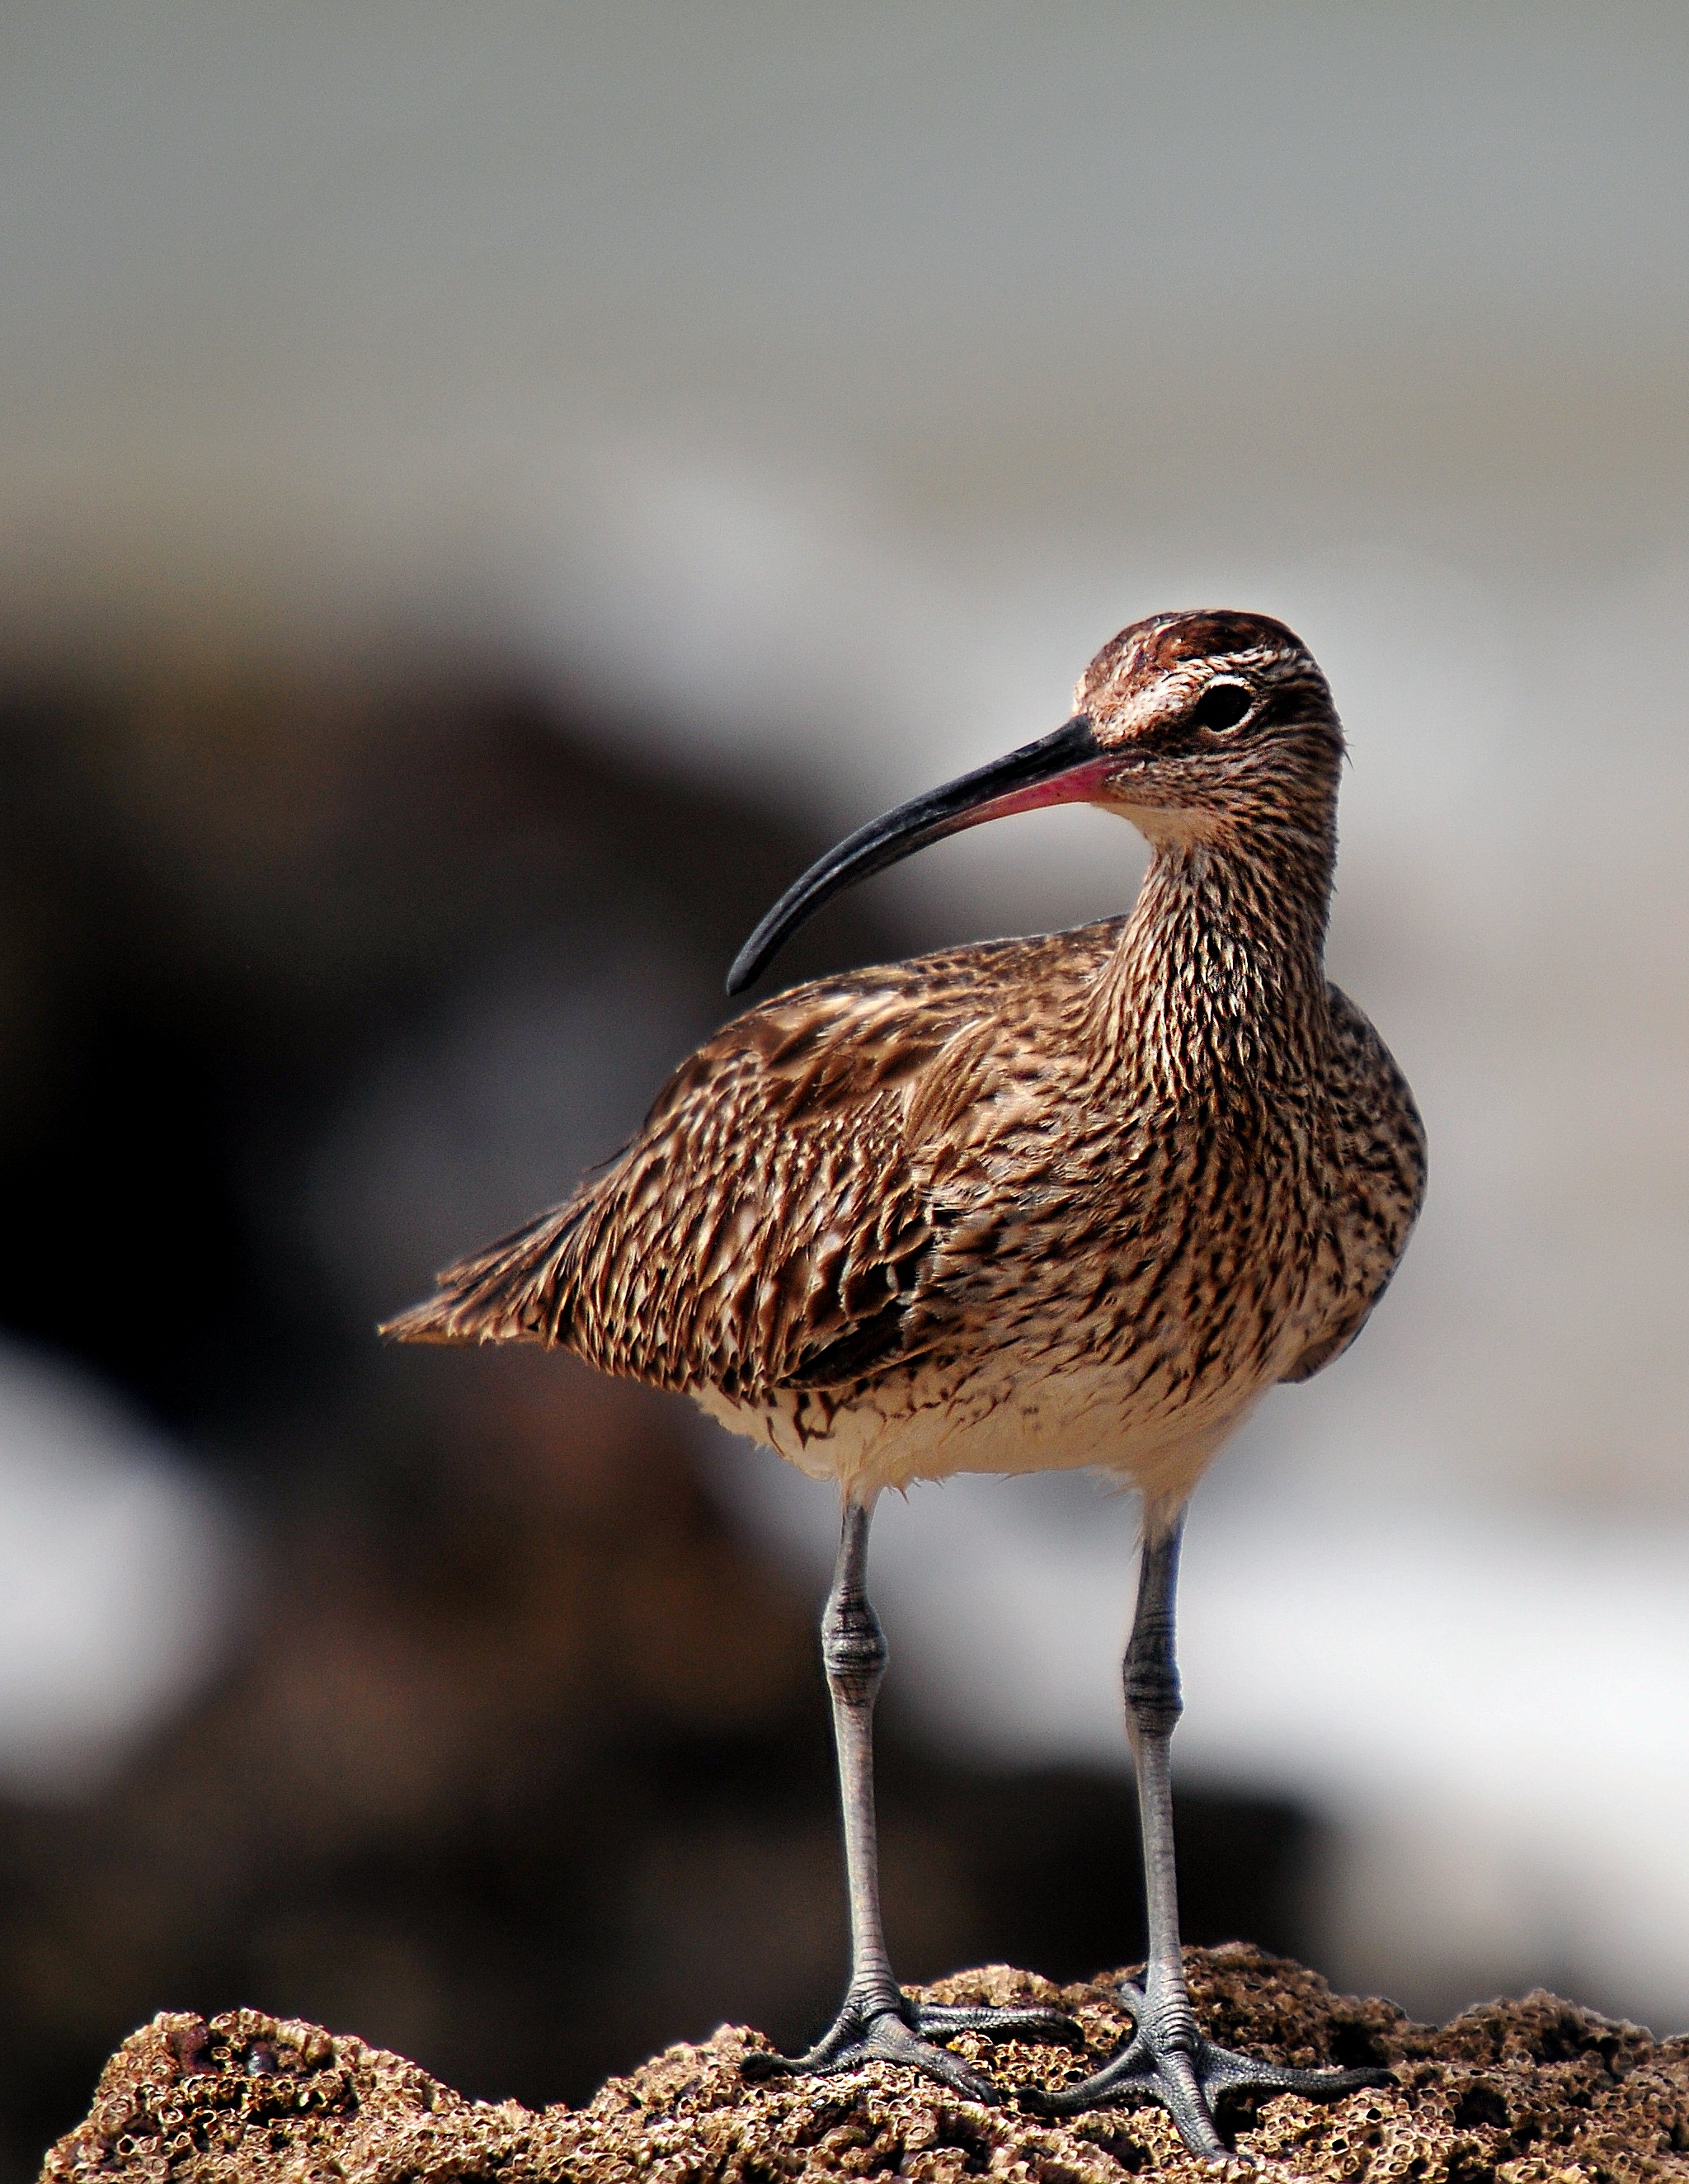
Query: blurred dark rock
(1525, 2091)
(224, 895)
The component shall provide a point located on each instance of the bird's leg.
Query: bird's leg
(1167, 2059)
(878, 2021)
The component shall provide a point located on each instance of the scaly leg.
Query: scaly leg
(879, 2022)
(1167, 2059)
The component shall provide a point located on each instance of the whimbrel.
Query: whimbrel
(1025, 1205)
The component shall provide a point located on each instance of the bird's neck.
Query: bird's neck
(1220, 973)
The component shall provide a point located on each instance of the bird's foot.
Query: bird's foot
(1168, 2060)
(874, 2029)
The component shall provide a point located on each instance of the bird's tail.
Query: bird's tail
(516, 1290)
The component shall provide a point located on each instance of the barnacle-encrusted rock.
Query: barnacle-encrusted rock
(1511, 2092)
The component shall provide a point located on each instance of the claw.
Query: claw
(868, 2033)
(1187, 2074)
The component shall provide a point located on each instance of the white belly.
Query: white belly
(1083, 1418)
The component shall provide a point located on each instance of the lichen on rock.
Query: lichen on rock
(1511, 2092)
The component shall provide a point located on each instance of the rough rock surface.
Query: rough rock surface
(1521, 2092)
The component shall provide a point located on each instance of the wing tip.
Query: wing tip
(507, 1293)
(448, 1319)
(438, 1318)
(417, 1322)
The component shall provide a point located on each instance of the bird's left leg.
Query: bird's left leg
(1167, 2058)
(878, 2021)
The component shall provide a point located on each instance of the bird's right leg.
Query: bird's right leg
(1168, 2058)
(878, 2021)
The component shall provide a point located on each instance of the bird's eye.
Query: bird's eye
(1222, 705)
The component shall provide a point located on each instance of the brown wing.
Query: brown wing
(1379, 1161)
(772, 1223)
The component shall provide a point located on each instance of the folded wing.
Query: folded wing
(774, 1224)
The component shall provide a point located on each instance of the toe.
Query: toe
(856, 2038)
(1130, 2077)
(1187, 2104)
(893, 2042)
(1224, 2070)
(760, 2065)
(1049, 2025)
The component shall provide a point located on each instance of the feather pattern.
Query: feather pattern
(1074, 1199)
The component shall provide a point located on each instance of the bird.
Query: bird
(1071, 1201)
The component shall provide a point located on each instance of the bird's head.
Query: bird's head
(1194, 726)
(1204, 721)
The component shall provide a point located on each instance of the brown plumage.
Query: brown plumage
(1030, 1204)
(1034, 1203)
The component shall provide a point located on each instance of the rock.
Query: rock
(1510, 2092)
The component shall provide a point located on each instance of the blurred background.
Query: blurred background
(485, 495)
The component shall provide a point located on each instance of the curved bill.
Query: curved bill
(1068, 767)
